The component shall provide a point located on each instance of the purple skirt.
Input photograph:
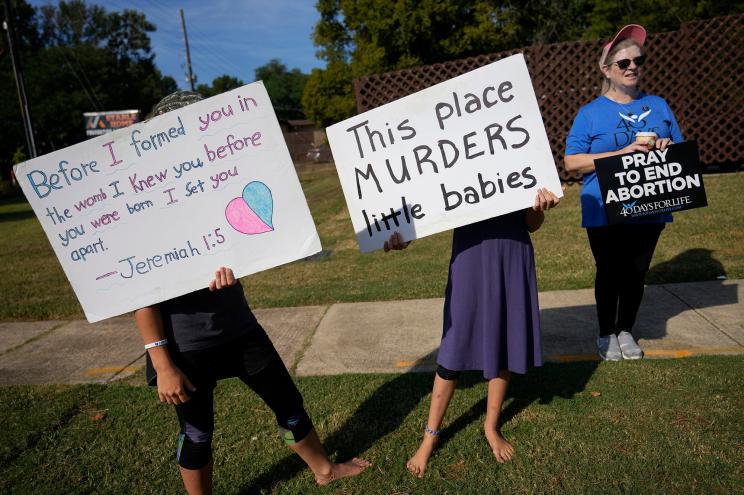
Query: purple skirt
(491, 314)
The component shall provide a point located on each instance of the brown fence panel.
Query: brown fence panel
(712, 109)
(697, 69)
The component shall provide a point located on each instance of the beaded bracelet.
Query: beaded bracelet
(434, 433)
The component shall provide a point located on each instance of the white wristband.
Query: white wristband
(156, 344)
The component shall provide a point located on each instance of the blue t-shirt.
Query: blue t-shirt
(604, 125)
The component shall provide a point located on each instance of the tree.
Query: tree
(607, 16)
(219, 85)
(285, 88)
(13, 133)
(76, 57)
(362, 37)
(328, 95)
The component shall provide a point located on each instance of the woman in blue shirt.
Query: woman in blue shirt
(607, 126)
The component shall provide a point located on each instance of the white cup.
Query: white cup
(647, 139)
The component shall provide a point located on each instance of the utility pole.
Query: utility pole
(20, 86)
(190, 76)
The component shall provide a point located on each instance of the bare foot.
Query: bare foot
(417, 464)
(342, 470)
(502, 449)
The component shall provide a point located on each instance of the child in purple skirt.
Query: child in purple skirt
(491, 317)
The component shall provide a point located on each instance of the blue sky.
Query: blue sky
(226, 36)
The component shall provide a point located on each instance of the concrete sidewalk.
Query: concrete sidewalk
(676, 320)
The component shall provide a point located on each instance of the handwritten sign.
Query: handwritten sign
(149, 212)
(661, 181)
(467, 149)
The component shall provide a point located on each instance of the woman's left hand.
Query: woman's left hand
(223, 277)
(545, 200)
(662, 143)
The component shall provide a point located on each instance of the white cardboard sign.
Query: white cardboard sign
(149, 212)
(464, 150)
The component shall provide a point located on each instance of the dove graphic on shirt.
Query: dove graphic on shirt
(635, 119)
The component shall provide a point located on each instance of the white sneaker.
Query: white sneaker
(628, 346)
(609, 348)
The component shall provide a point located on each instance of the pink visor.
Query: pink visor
(633, 31)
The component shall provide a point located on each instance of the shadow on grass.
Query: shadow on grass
(540, 385)
(14, 216)
(11, 216)
(381, 413)
(565, 330)
(690, 266)
(571, 331)
(384, 411)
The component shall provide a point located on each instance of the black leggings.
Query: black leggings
(254, 360)
(623, 255)
(447, 374)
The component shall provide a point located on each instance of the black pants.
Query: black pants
(254, 360)
(622, 254)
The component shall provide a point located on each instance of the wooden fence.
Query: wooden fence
(697, 69)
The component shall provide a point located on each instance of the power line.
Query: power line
(85, 77)
(201, 52)
(20, 85)
(74, 72)
(89, 90)
(196, 37)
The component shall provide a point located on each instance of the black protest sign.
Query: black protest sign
(635, 185)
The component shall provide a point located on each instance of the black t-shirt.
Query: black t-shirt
(205, 318)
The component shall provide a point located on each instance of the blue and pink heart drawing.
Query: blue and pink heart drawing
(251, 213)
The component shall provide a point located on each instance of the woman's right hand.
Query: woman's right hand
(395, 243)
(173, 386)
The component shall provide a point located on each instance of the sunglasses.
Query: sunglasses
(625, 63)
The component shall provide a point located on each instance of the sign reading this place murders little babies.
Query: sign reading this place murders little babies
(149, 212)
(467, 149)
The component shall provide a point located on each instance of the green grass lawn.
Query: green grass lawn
(700, 245)
(654, 426)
